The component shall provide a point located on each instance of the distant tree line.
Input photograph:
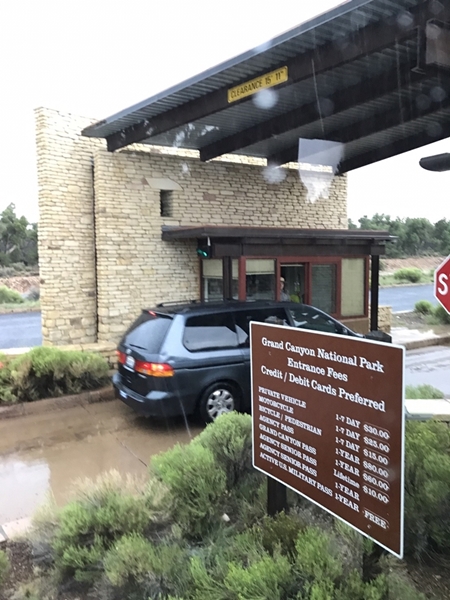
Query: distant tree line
(416, 237)
(18, 239)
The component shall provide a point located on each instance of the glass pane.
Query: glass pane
(147, 332)
(275, 315)
(308, 317)
(293, 286)
(353, 285)
(323, 287)
(213, 279)
(260, 279)
(210, 332)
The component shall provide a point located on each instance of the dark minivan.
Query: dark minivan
(185, 358)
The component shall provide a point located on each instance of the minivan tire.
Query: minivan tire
(218, 398)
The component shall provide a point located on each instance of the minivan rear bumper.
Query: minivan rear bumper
(155, 404)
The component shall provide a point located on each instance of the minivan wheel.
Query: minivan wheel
(218, 399)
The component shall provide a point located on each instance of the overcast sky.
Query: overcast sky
(97, 57)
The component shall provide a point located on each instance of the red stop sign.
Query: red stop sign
(442, 284)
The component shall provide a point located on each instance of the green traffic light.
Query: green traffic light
(202, 253)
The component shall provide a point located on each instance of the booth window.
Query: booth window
(323, 287)
(165, 203)
(260, 279)
(353, 287)
(213, 279)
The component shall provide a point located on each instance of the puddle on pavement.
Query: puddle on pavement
(113, 439)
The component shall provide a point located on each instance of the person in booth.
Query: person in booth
(284, 296)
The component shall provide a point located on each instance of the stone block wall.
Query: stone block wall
(101, 255)
(385, 318)
(66, 229)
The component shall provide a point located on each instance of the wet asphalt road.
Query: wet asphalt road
(20, 330)
(43, 455)
(404, 298)
(429, 365)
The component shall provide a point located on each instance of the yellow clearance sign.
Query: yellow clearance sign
(259, 83)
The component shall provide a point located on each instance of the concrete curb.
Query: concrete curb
(24, 409)
(424, 343)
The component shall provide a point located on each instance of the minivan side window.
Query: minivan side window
(277, 316)
(210, 332)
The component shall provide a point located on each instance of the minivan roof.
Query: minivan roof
(173, 308)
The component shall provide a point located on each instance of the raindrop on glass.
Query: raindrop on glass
(274, 174)
(436, 7)
(358, 19)
(179, 138)
(438, 94)
(433, 31)
(326, 107)
(423, 102)
(405, 20)
(265, 99)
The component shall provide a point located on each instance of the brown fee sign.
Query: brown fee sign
(328, 421)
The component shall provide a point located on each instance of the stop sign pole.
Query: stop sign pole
(442, 284)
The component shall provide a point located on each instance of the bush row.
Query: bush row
(197, 529)
(411, 274)
(50, 372)
(8, 296)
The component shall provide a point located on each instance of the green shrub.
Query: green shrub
(50, 372)
(6, 394)
(441, 315)
(423, 391)
(410, 274)
(268, 577)
(4, 566)
(8, 296)
(229, 439)
(423, 307)
(135, 561)
(427, 487)
(196, 485)
(89, 526)
(316, 556)
(281, 531)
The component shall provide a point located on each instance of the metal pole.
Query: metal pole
(276, 497)
(374, 289)
(227, 275)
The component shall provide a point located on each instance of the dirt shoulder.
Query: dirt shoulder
(424, 263)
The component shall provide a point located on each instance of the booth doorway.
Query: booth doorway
(295, 281)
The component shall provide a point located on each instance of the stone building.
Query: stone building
(119, 232)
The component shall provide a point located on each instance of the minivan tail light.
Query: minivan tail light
(154, 369)
(121, 357)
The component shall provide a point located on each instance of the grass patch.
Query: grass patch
(25, 306)
(422, 392)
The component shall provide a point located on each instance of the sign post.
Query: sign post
(442, 284)
(328, 422)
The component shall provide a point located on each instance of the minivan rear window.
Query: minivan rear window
(147, 332)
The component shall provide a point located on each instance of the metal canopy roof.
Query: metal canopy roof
(374, 236)
(371, 75)
(231, 240)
